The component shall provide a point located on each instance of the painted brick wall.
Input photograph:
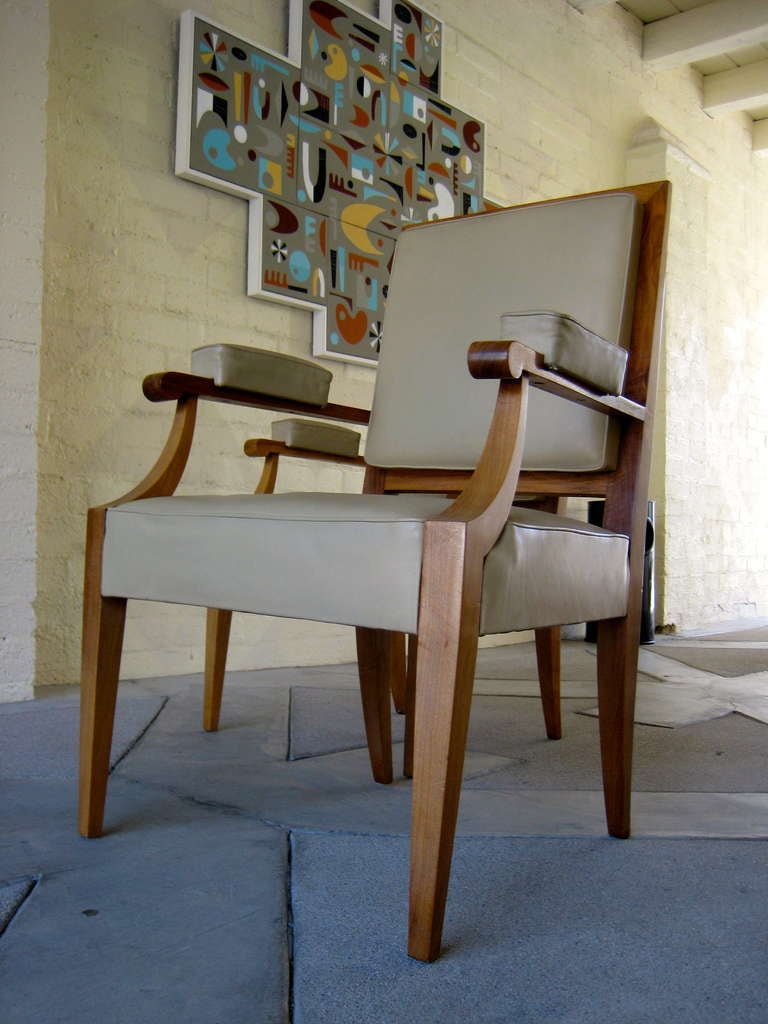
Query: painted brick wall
(140, 267)
(24, 87)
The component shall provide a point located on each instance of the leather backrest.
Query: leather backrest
(451, 282)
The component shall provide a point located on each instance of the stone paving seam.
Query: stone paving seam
(24, 887)
(137, 739)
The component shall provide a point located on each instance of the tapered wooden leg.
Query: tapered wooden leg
(103, 626)
(548, 661)
(410, 705)
(398, 680)
(218, 622)
(375, 656)
(448, 630)
(617, 647)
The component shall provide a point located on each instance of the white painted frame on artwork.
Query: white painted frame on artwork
(185, 112)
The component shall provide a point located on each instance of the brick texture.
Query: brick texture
(140, 267)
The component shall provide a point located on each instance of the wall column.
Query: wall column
(654, 155)
(24, 87)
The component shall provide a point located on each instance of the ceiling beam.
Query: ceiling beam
(585, 5)
(760, 136)
(737, 89)
(703, 32)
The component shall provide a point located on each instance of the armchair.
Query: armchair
(405, 558)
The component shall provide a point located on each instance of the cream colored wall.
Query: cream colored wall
(24, 88)
(140, 267)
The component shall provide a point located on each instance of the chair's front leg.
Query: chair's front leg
(376, 655)
(103, 626)
(445, 667)
(617, 652)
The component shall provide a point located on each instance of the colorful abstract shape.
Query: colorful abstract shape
(337, 147)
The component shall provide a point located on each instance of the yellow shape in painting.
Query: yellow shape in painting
(354, 222)
(271, 176)
(336, 68)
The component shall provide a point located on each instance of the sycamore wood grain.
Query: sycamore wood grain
(455, 544)
(512, 359)
(547, 641)
(262, 447)
(410, 704)
(171, 385)
(399, 675)
(376, 649)
(548, 665)
(219, 620)
(530, 482)
(102, 641)
(625, 512)
(218, 623)
(164, 476)
(397, 665)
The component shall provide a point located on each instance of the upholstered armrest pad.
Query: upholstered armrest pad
(270, 373)
(569, 347)
(318, 437)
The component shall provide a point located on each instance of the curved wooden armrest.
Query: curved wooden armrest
(483, 506)
(260, 447)
(500, 360)
(185, 389)
(171, 385)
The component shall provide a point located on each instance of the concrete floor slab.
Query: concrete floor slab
(499, 810)
(716, 756)
(180, 915)
(736, 660)
(569, 930)
(181, 912)
(518, 661)
(55, 725)
(327, 720)
(12, 895)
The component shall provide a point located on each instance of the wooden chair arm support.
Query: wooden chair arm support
(261, 447)
(164, 476)
(483, 506)
(171, 385)
(499, 360)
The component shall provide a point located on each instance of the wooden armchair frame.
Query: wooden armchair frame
(454, 547)
(218, 622)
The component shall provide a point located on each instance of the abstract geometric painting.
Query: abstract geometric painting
(337, 146)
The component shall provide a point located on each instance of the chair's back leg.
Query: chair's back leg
(548, 644)
(398, 682)
(218, 622)
(103, 626)
(410, 703)
(617, 652)
(377, 652)
(548, 662)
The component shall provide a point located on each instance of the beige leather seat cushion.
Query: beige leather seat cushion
(351, 558)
